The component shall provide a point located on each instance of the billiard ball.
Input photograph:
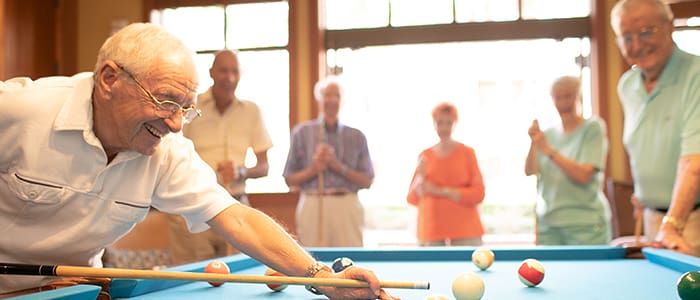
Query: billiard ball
(482, 258)
(437, 297)
(341, 263)
(468, 286)
(531, 272)
(273, 286)
(216, 267)
(689, 285)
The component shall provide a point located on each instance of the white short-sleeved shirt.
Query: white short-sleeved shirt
(219, 137)
(60, 203)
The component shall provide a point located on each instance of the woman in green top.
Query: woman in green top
(569, 161)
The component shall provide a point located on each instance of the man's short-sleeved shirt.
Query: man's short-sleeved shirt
(661, 126)
(349, 144)
(219, 137)
(60, 202)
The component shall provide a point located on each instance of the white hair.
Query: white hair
(570, 81)
(623, 7)
(323, 83)
(139, 47)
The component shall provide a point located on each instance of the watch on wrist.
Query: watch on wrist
(311, 272)
(677, 224)
(242, 172)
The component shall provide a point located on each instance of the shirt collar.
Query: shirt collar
(319, 121)
(669, 75)
(206, 102)
(76, 112)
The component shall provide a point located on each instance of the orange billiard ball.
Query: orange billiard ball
(273, 286)
(483, 258)
(217, 267)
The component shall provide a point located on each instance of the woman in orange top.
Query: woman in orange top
(447, 188)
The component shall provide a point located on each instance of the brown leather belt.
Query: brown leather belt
(665, 210)
(329, 192)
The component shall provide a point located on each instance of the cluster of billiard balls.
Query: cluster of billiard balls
(339, 264)
(469, 286)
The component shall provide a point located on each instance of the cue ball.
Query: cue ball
(468, 286)
(273, 286)
(689, 285)
(531, 272)
(482, 258)
(437, 297)
(341, 263)
(216, 267)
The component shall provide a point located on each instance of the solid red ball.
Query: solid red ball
(531, 272)
(217, 267)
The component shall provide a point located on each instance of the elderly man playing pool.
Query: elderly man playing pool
(85, 157)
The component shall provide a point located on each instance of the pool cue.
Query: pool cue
(421, 203)
(230, 250)
(72, 271)
(638, 228)
(321, 188)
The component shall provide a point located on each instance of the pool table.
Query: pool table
(570, 273)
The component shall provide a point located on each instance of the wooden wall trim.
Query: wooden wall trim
(465, 32)
(160, 4)
(686, 9)
(67, 37)
(3, 43)
(306, 58)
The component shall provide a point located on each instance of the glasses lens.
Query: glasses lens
(188, 115)
(644, 35)
(168, 106)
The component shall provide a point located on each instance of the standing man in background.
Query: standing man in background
(222, 137)
(660, 96)
(329, 161)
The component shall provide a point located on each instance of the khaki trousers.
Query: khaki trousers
(341, 220)
(691, 232)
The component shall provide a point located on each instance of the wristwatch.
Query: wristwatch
(678, 225)
(242, 172)
(311, 272)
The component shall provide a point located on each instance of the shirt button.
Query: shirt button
(32, 194)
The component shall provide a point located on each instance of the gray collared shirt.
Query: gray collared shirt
(349, 144)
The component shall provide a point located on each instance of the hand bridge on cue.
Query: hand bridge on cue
(89, 272)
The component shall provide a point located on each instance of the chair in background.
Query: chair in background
(146, 247)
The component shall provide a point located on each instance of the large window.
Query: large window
(499, 84)
(687, 34)
(498, 80)
(260, 32)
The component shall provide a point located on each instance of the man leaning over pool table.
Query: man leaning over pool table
(84, 158)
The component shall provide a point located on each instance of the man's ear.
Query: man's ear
(108, 75)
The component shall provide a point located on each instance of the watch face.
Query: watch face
(313, 290)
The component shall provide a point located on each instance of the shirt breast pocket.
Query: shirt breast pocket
(128, 212)
(34, 190)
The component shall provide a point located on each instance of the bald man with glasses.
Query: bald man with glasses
(85, 157)
(660, 96)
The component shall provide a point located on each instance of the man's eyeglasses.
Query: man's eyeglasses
(643, 36)
(166, 108)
